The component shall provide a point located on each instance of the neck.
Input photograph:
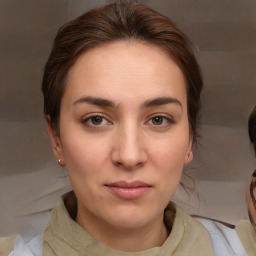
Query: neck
(123, 238)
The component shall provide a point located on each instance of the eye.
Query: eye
(160, 121)
(95, 120)
(157, 120)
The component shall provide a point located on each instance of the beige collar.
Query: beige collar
(247, 236)
(64, 237)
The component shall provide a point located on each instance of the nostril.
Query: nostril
(118, 163)
(129, 164)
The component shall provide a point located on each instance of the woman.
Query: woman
(245, 229)
(123, 124)
(121, 101)
(251, 193)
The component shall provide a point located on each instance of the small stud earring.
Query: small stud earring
(59, 162)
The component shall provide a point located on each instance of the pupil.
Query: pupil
(157, 120)
(96, 120)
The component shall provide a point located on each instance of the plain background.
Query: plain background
(224, 35)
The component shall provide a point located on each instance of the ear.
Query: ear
(56, 143)
(189, 155)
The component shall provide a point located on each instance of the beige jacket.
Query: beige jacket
(64, 237)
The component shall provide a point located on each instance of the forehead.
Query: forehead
(125, 69)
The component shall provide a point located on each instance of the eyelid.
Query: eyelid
(167, 117)
(90, 115)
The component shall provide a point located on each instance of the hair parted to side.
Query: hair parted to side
(118, 21)
(252, 128)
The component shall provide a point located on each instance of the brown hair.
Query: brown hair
(120, 20)
(251, 189)
(252, 136)
(252, 128)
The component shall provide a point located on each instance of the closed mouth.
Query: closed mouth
(129, 190)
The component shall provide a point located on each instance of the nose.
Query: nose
(129, 151)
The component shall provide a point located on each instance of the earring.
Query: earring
(59, 162)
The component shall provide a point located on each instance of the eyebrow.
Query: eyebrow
(97, 101)
(147, 104)
(161, 101)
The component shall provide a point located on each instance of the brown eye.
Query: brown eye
(161, 121)
(96, 120)
(158, 120)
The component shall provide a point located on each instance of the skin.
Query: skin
(141, 134)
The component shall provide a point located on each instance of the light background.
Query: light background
(224, 34)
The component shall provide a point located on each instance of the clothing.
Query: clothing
(247, 236)
(64, 237)
(6, 244)
(15, 246)
(224, 239)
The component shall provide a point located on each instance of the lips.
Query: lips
(129, 190)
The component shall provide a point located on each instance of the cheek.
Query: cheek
(85, 161)
(168, 158)
(84, 155)
(170, 151)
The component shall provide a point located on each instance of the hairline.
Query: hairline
(105, 44)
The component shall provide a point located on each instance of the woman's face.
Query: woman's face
(124, 134)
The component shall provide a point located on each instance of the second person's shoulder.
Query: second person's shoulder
(7, 244)
(247, 236)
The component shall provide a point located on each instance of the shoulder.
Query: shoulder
(247, 235)
(7, 244)
(189, 222)
(224, 239)
(15, 245)
(191, 225)
(187, 236)
(176, 216)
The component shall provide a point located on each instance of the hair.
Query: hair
(252, 136)
(252, 128)
(118, 21)
(251, 188)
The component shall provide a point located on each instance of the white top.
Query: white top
(33, 248)
(225, 240)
